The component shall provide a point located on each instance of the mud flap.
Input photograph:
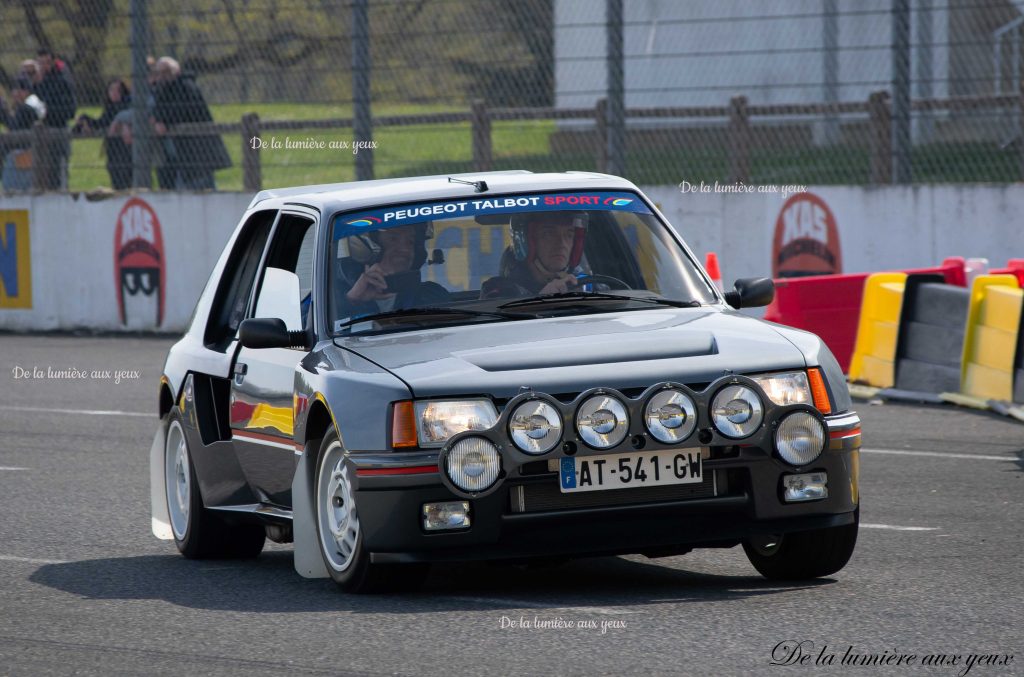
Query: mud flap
(309, 563)
(161, 523)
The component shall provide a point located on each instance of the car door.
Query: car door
(262, 383)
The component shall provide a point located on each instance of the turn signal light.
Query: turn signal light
(403, 425)
(818, 391)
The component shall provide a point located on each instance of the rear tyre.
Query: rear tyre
(804, 554)
(198, 533)
(340, 535)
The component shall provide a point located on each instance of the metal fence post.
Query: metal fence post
(901, 91)
(830, 65)
(41, 157)
(601, 120)
(362, 123)
(252, 175)
(615, 162)
(739, 140)
(481, 137)
(1020, 127)
(141, 137)
(881, 137)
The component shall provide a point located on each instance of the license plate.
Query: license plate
(635, 469)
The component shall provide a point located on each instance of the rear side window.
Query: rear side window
(229, 305)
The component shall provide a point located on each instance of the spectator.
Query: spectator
(27, 110)
(55, 89)
(29, 68)
(179, 101)
(115, 122)
(163, 148)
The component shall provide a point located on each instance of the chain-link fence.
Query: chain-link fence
(242, 94)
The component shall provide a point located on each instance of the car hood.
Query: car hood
(570, 354)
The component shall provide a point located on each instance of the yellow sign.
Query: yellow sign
(15, 260)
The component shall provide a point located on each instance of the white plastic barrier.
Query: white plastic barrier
(69, 263)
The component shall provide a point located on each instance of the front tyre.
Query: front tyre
(804, 554)
(339, 533)
(198, 533)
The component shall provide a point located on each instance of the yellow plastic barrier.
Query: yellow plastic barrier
(874, 354)
(993, 325)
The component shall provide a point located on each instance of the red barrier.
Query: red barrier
(829, 305)
(1013, 267)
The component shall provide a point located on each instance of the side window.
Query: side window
(292, 251)
(236, 282)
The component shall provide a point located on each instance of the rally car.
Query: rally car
(499, 366)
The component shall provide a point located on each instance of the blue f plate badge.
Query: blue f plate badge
(568, 473)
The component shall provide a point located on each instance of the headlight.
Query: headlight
(602, 421)
(736, 411)
(800, 438)
(473, 464)
(439, 420)
(670, 416)
(535, 427)
(790, 387)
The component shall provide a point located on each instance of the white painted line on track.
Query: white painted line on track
(523, 604)
(30, 560)
(7, 467)
(86, 412)
(938, 454)
(893, 527)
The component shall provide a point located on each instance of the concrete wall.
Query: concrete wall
(878, 228)
(67, 276)
(73, 259)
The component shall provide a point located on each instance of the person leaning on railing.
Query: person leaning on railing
(178, 100)
(27, 109)
(116, 124)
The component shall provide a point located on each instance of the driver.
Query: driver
(382, 272)
(546, 250)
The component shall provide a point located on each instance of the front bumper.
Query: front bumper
(528, 517)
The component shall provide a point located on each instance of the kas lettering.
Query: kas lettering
(790, 652)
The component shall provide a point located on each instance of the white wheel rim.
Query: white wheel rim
(178, 479)
(337, 519)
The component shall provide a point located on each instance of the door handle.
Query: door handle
(240, 371)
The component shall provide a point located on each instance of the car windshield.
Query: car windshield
(504, 258)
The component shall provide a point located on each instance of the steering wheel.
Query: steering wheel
(602, 279)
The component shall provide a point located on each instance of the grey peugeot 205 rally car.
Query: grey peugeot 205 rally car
(498, 366)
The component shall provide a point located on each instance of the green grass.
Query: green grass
(446, 148)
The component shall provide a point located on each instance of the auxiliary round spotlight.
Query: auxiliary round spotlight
(535, 427)
(737, 411)
(473, 464)
(670, 416)
(602, 421)
(800, 438)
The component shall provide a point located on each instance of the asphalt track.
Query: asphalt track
(85, 588)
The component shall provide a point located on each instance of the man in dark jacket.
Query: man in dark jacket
(56, 91)
(393, 256)
(177, 100)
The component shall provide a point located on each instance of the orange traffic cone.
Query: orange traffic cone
(711, 265)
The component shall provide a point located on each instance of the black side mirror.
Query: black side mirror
(751, 292)
(269, 332)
